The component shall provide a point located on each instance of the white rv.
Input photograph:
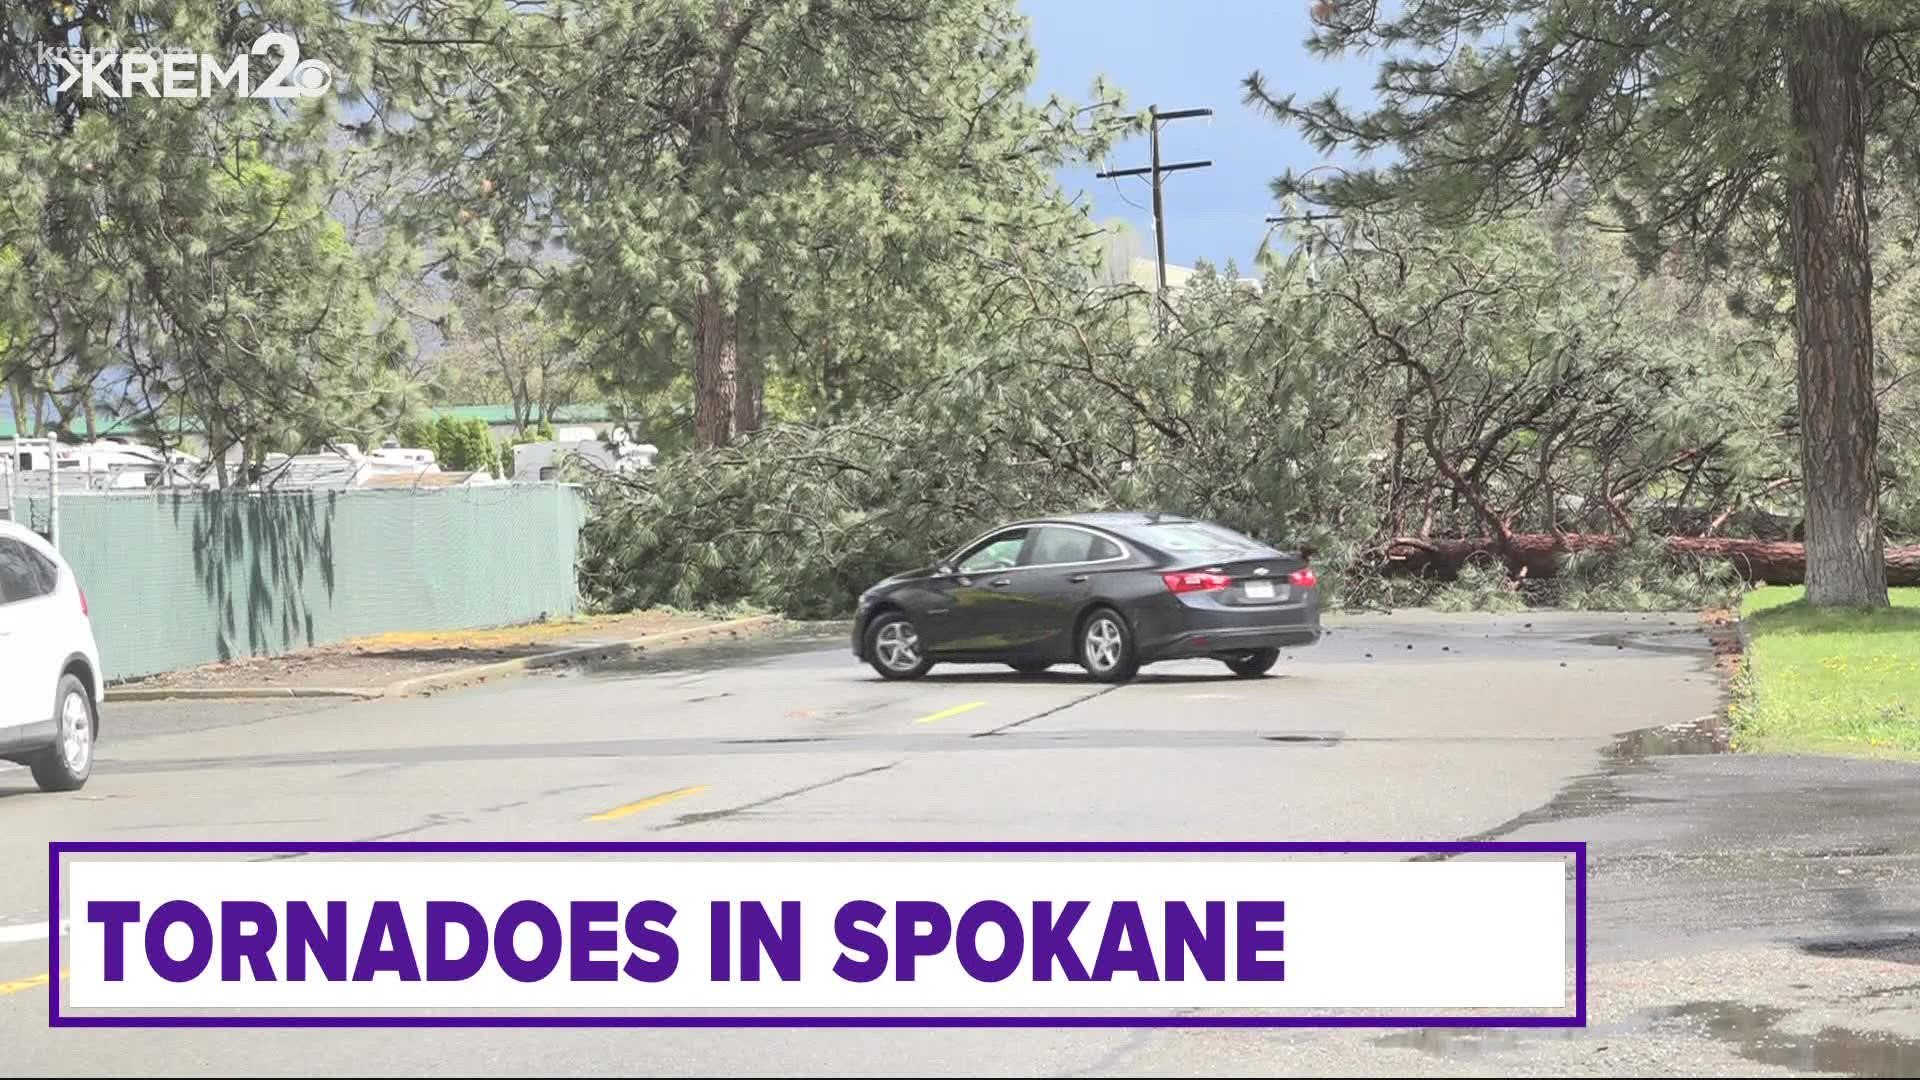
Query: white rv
(537, 461)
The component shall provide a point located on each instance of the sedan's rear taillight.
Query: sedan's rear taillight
(1304, 577)
(1195, 582)
(83, 600)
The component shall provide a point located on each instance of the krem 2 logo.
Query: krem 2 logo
(114, 73)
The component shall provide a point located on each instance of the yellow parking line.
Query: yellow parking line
(647, 803)
(28, 983)
(955, 711)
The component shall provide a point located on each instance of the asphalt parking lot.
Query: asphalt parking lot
(1750, 914)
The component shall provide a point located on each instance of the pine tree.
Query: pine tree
(761, 185)
(1735, 129)
(181, 250)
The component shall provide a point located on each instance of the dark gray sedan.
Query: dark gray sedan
(1107, 591)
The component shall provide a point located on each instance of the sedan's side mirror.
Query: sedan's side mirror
(943, 568)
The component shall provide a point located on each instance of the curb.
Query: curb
(611, 650)
(162, 693)
(447, 680)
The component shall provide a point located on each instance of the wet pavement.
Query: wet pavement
(1789, 886)
(1750, 1031)
(1755, 1033)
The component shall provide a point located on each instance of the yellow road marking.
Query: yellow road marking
(955, 711)
(28, 983)
(647, 803)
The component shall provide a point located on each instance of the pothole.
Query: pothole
(1706, 735)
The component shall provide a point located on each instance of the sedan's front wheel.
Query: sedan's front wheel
(893, 647)
(1106, 647)
(66, 764)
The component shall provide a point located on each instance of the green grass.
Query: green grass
(1829, 681)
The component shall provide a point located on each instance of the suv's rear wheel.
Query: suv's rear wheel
(66, 764)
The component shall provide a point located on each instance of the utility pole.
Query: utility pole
(1154, 172)
(1313, 262)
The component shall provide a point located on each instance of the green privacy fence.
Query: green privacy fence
(175, 580)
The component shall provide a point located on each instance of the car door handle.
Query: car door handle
(998, 582)
(1078, 579)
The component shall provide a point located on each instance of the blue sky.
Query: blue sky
(1192, 55)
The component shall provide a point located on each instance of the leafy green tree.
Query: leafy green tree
(1241, 412)
(459, 444)
(1535, 382)
(466, 445)
(506, 348)
(1390, 379)
(181, 250)
(1737, 129)
(762, 186)
(16, 378)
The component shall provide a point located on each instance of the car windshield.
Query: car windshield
(1182, 537)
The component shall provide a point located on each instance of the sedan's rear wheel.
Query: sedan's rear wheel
(1252, 663)
(1106, 647)
(66, 764)
(893, 647)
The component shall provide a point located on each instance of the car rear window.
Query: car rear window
(1180, 537)
(1055, 544)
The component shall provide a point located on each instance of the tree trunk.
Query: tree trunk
(1833, 310)
(716, 332)
(715, 369)
(25, 411)
(1539, 555)
(217, 451)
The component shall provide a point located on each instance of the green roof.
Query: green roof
(103, 426)
(588, 413)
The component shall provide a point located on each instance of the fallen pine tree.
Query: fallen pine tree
(1539, 555)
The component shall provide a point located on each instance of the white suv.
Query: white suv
(50, 687)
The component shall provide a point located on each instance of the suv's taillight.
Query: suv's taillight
(83, 600)
(1304, 577)
(1195, 582)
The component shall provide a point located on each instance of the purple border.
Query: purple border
(1577, 849)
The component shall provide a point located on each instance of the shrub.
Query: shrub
(458, 445)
